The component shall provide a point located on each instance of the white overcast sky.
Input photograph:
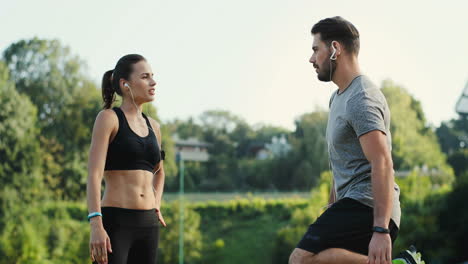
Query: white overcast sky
(250, 57)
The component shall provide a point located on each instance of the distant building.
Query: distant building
(462, 104)
(278, 147)
(191, 149)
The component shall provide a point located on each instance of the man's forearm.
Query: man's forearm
(382, 189)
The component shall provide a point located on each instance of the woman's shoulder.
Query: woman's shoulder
(107, 116)
(155, 124)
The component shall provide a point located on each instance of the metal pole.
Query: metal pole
(181, 206)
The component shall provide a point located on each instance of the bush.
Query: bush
(289, 236)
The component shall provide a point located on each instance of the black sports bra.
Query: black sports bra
(128, 151)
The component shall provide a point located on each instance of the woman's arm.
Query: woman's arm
(159, 175)
(105, 123)
(158, 184)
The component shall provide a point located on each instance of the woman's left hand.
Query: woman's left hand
(160, 217)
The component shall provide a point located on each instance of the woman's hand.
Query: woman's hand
(99, 244)
(160, 217)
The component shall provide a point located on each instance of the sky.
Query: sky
(251, 57)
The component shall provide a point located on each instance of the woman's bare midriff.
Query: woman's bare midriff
(131, 189)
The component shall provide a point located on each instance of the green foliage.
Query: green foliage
(25, 246)
(288, 236)
(452, 222)
(414, 144)
(453, 134)
(44, 233)
(186, 129)
(415, 187)
(459, 161)
(233, 164)
(48, 74)
(257, 173)
(20, 155)
(57, 232)
(257, 230)
(419, 226)
(246, 227)
(169, 237)
(212, 211)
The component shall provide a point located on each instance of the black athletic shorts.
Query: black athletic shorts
(347, 224)
(133, 234)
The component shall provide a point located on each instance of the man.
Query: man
(362, 222)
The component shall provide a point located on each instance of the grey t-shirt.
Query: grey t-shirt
(359, 109)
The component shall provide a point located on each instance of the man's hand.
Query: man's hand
(380, 249)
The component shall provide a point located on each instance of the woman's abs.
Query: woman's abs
(132, 189)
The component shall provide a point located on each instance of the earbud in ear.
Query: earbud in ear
(333, 55)
(126, 85)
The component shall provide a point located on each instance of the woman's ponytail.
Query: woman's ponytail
(110, 80)
(108, 92)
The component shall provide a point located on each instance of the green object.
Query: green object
(409, 256)
(181, 213)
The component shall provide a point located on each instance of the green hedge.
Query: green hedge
(247, 229)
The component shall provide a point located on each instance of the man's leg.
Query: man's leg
(331, 255)
(340, 235)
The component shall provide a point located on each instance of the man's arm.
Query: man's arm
(376, 150)
(374, 145)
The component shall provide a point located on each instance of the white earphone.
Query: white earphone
(333, 55)
(126, 85)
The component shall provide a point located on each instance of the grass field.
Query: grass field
(246, 241)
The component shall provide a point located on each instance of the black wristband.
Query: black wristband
(382, 230)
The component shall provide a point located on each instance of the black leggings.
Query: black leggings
(133, 234)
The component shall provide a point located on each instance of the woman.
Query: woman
(126, 150)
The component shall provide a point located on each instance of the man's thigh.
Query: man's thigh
(300, 256)
(347, 224)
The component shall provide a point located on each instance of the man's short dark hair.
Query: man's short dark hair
(339, 29)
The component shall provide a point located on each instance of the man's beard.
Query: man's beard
(326, 71)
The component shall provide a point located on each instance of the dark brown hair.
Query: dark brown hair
(339, 29)
(110, 80)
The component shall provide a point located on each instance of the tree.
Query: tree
(67, 103)
(186, 129)
(310, 152)
(452, 221)
(414, 144)
(20, 155)
(453, 137)
(48, 73)
(21, 182)
(449, 138)
(220, 121)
